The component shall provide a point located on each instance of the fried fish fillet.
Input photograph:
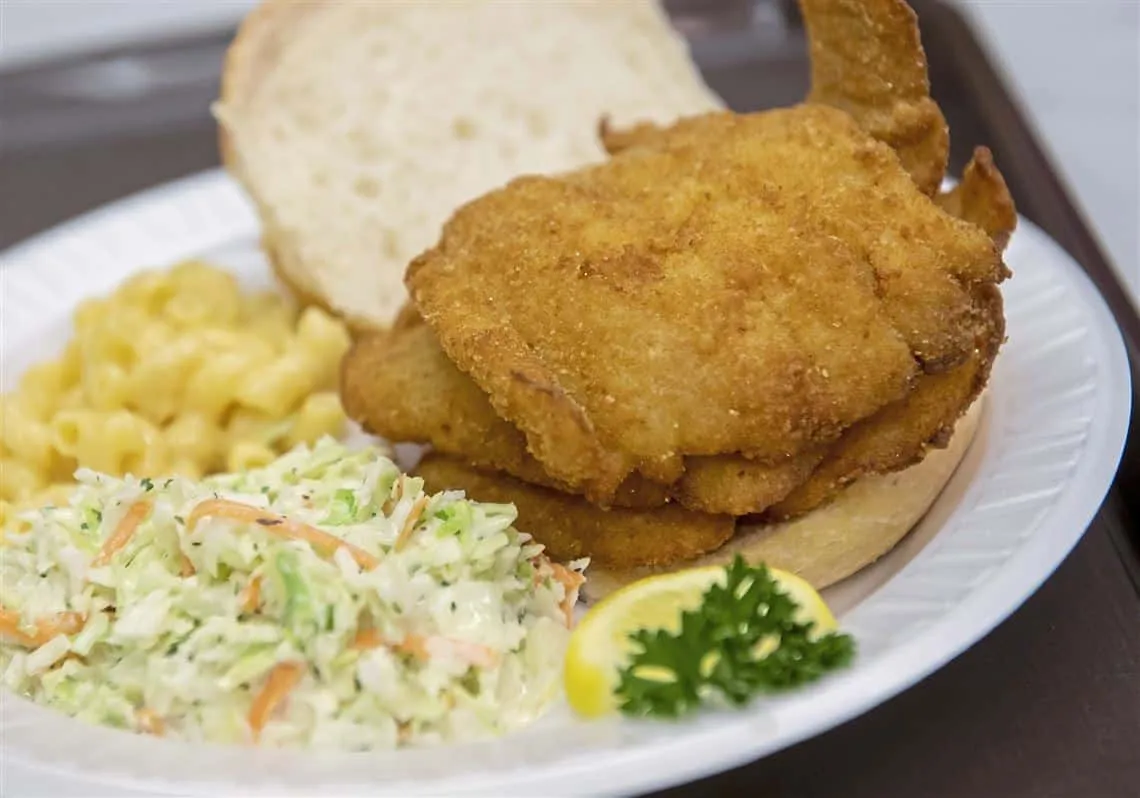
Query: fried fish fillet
(750, 284)
(400, 385)
(570, 527)
(894, 438)
(899, 434)
(406, 389)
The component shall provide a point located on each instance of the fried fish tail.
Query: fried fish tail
(867, 59)
(982, 198)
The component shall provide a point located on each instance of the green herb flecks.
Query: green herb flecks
(743, 640)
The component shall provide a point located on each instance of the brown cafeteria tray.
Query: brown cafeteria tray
(1047, 705)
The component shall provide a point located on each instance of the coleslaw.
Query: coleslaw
(324, 601)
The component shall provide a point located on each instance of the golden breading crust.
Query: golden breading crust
(400, 385)
(982, 198)
(752, 284)
(898, 435)
(570, 527)
(863, 523)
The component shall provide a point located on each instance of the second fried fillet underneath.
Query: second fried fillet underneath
(570, 527)
(900, 434)
(400, 385)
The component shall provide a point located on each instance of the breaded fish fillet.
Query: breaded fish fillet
(405, 388)
(400, 385)
(749, 284)
(571, 527)
(894, 438)
(899, 434)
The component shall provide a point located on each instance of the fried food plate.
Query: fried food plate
(1050, 436)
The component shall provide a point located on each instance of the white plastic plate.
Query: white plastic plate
(1054, 429)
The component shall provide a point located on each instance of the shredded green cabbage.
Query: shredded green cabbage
(459, 634)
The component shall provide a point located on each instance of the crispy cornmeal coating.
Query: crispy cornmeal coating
(750, 284)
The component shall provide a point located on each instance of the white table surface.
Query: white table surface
(1075, 64)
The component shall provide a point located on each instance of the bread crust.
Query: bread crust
(284, 262)
(251, 55)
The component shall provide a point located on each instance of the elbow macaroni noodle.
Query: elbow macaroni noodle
(177, 371)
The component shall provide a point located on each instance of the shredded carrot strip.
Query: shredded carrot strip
(278, 525)
(410, 522)
(280, 682)
(150, 722)
(123, 533)
(43, 630)
(366, 639)
(251, 595)
(419, 647)
(571, 580)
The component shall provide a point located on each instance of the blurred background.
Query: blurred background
(105, 79)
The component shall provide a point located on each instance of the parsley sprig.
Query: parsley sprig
(741, 641)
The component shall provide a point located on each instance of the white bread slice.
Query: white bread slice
(358, 126)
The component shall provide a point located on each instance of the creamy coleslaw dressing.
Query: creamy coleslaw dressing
(457, 632)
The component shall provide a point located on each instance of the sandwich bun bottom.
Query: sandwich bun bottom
(834, 541)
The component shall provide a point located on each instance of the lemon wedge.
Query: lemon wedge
(599, 646)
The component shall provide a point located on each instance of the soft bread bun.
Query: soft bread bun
(832, 542)
(358, 127)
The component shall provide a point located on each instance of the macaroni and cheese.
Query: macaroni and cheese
(177, 372)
